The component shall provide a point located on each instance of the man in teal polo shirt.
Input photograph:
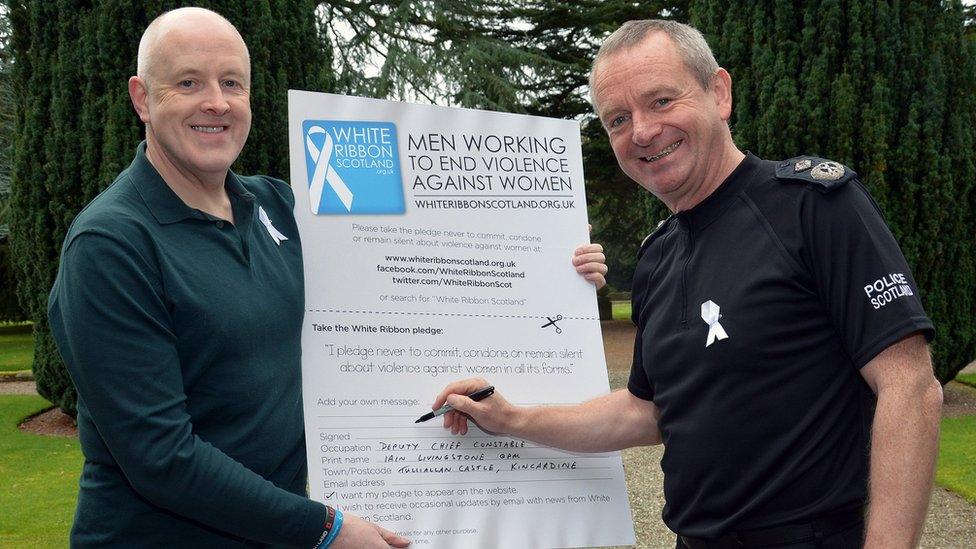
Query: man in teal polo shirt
(178, 311)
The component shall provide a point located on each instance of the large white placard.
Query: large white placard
(438, 245)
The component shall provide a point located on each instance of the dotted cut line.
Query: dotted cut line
(445, 314)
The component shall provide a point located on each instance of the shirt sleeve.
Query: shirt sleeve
(859, 272)
(638, 384)
(109, 315)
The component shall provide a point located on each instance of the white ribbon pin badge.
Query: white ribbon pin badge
(710, 314)
(275, 233)
(324, 172)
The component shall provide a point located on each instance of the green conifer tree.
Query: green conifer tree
(9, 307)
(75, 127)
(888, 88)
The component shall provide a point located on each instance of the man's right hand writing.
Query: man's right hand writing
(603, 424)
(494, 414)
(356, 533)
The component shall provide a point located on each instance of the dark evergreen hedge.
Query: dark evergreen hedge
(9, 305)
(75, 127)
(888, 88)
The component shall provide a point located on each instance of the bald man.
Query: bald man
(178, 309)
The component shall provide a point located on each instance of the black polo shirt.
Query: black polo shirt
(182, 333)
(755, 311)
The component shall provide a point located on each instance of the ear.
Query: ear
(722, 90)
(139, 94)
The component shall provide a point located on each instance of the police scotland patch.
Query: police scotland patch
(887, 289)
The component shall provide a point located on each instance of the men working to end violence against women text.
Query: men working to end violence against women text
(178, 312)
(781, 353)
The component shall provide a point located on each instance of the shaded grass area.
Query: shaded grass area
(16, 351)
(968, 379)
(16, 327)
(38, 479)
(957, 456)
(621, 310)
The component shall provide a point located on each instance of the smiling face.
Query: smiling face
(668, 133)
(195, 98)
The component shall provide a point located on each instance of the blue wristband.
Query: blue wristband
(333, 532)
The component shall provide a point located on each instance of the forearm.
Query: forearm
(904, 445)
(200, 482)
(607, 423)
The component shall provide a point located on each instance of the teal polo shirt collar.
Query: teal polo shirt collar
(163, 203)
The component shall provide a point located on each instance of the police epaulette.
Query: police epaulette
(825, 175)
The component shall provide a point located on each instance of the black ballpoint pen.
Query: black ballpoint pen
(480, 394)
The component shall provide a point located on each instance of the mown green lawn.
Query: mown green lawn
(968, 379)
(957, 456)
(16, 351)
(621, 310)
(38, 479)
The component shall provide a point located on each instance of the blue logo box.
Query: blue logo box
(353, 167)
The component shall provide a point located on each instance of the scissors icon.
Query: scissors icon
(552, 322)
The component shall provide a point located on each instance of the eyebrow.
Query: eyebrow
(190, 71)
(603, 116)
(668, 91)
(662, 90)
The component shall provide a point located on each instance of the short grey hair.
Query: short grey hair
(690, 43)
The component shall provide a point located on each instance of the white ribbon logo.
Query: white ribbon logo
(710, 314)
(324, 172)
(275, 233)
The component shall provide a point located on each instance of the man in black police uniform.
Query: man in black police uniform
(774, 311)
